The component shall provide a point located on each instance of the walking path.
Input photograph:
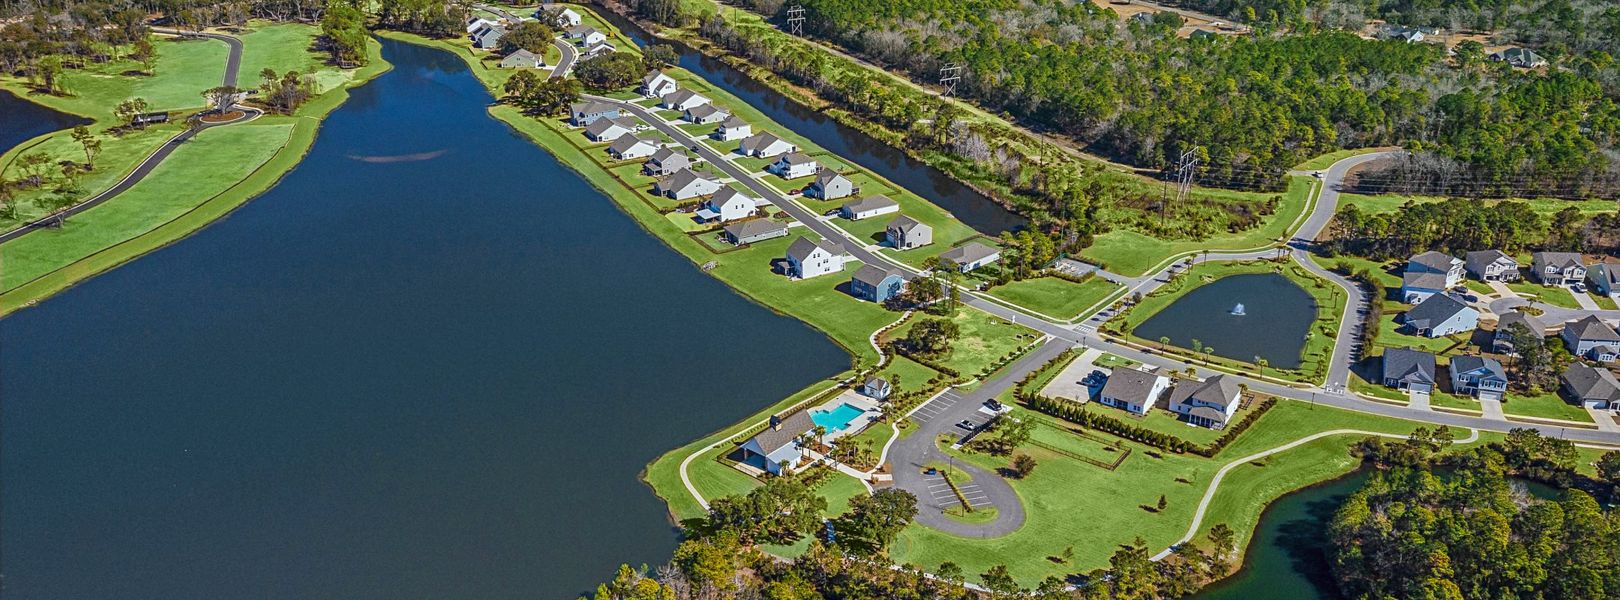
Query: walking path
(232, 65)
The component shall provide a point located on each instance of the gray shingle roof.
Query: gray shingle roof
(1520, 317)
(680, 96)
(1423, 280)
(826, 176)
(705, 111)
(1412, 366)
(781, 434)
(1464, 364)
(1433, 261)
(1130, 385)
(758, 141)
(872, 275)
(624, 143)
(1560, 260)
(969, 252)
(1591, 383)
(592, 106)
(753, 227)
(1433, 311)
(904, 223)
(1475, 262)
(683, 178)
(802, 247)
(1593, 329)
(794, 158)
(1216, 390)
(733, 121)
(870, 203)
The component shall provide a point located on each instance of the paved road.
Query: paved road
(233, 63)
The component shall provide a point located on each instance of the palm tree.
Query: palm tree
(1164, 342)
(1196, 344)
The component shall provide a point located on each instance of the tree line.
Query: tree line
(1460, 225)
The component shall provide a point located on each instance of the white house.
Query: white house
(705, 114)
(474, 24)
(870, 206)
(1440, 315)
(1591, 338)
(687, 184)
(565, 18)
(597, 50)
(1491, 265)
(607, 130)
(793, 166)
(1557, 268)
(807, 258)
(971, 255)
(632, 147)
(765, 145)
(733, 128)
(1133, 390)
(1428, 274)
(656, 85)
(727, 205)
(776, 449)
(1209, 403)
(830, 185)
(585, 36)
(682, 100)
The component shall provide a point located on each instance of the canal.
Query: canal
(969, 206)
(430, 363)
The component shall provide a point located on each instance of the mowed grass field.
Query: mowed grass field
(1054, 297)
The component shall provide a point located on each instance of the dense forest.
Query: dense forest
(1465, 525)
(1136, 92)
(1460, 225)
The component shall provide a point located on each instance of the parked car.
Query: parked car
(966, 424)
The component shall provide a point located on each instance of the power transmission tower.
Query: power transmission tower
(949, 74)
(795, 20)
(1183, 176)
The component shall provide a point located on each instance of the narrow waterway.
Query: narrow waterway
(969, 206)
(21, 120)
(430, 363)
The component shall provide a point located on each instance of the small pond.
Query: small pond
(21, 120)
(1276, 314)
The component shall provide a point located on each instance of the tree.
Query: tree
(1163, 503)
(781, 512)
(658, 56)
(533, 36)
(90, 143)
(222, 98)
(1023, 465)
(932, 336)
(543, 97)
(131, 108)
(873, 521)
(145, 53)
(1000, 583)
(1608, 467)
(611, 71)
(286, 92)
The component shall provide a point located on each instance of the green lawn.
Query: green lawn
(984, 339)
(1388, 203)
(1603, 302)
(1547, 406)
(1164, 421)
(1442, 399)
(1131, 253)
(1055, 297)
(1389, 336)
(1556, 296)
(1070, 503)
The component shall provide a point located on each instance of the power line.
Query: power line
(795, 20)
(949, 75)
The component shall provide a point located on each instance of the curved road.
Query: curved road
(233, 63)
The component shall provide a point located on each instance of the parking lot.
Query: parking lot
(941, 496)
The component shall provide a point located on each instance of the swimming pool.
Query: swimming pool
(836, 419)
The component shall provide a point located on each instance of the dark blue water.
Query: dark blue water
(1277, 315)
(21, 120)
(413, 379)
(969, 206)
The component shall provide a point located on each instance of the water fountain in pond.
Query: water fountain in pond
(1238, 310)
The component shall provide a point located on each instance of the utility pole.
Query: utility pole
(1185, 167)
(795, 20)
(949, 74)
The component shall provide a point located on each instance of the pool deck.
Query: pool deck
(857, 400)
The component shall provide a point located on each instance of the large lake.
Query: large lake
(430, 363)
(1276, 316)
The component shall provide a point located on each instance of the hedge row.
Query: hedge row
(1076, 413)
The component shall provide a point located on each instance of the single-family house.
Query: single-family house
(876, 284)
(869, 206)
(599, 49)
(682, 100)
(476, 23)
(666, 161)
(733, 128)
(563, 19)
(1133, 390)
(1591, 387)
(754, 230)
(686, 184)
(776, 449)
(1409, 370)
(877, 388)
(905, 233)
(522, 59)
(1523, 58)
(1417, 286)
(1604, 278)
(1591, 338)
(808, 258)
(727, 205)
(765, 145)
(610, 129)
(705, 113)
(585, 36)
(1557, 268)
(1478, 376)
(971, 255)
(830, 185)
(1502, 339)
(1440, 315)
(656, 85)
(793, 165)
(1491, 265)
(1410, 35)
(631, 147)
(1209, 403)
(585, 113)
(488, 37)
(1417, 283)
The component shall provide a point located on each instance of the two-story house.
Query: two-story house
(1491, 265)
(808, 258)
(1557, 268)
(1591, 338)
(1477, 376)
(905, 233)
(1133, 390)
(1209, 403)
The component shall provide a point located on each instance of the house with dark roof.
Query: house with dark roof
(682, 100)
(1478, 376)
(905, 233)
(686, 184)
(1491, 265)
(733, 128)
(1502, 339)
(765, 145)
(1209, 403)
(793, 165)
(610, 129)
(808, 258)
(868, 207)
(1420, 285)
(1604, 278)
(1591, 338)
(1133, 390)
(776, 449)
(971, 255)
(705, 113)
(877, 388)
(1523, 58)
(666, 161)
(1440, 315)
(754, 230)
(873, 283)
(1591, 387)
(1409, 370)
(830, 185)
(488, 37)
(1428, 274)
(585, 113)
(1557, 268)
